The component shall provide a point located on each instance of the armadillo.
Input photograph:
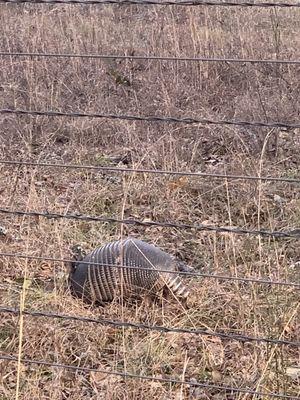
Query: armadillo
(95, 278)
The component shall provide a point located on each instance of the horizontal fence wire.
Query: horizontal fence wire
(148, 58)
(183, 273)
(124, 117)
(163, 329)
(150, 171)
(198, 227)
(153, 378)
(160, 3)
(126, 375)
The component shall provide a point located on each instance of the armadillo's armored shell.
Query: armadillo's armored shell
(95, 279)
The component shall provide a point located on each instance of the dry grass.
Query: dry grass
(250, 92)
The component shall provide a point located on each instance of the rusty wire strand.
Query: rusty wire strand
(161, 3)
(171, 224)
(163, 329)
(149, 378)
(185, 120)
(184, 273)
(147, 58)
(149, 171)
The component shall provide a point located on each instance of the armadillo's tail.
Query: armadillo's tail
(175, 284)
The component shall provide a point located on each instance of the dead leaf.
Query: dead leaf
(179, 183)
(215, 351)
(293, 372)
(216, 376)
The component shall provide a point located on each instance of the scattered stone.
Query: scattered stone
(3, 231)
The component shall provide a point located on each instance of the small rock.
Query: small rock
(278, 199)
(3, 231)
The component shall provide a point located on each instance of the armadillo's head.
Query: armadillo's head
(77, 271)
(183, 267)
(77, 252)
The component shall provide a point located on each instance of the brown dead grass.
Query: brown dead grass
(249, 92)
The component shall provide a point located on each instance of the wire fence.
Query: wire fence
(161, 3)
(126, 375)
(150, 171)
(149, 58)
(185, 120)
(290, 234)
(199, 227)
(183, 273)
(163, 329)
